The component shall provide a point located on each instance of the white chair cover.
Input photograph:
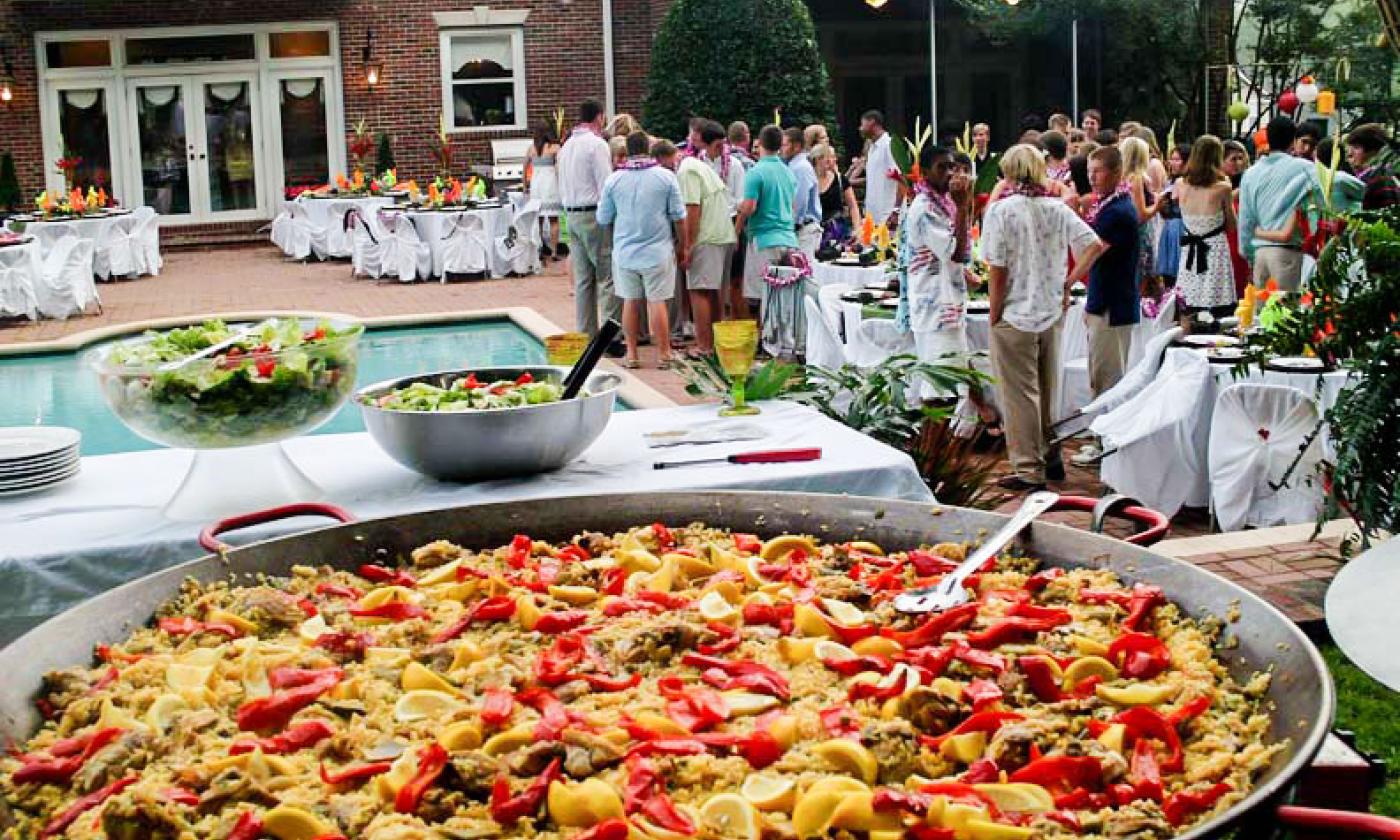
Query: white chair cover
(66, 284)
(283, 233)
(1146, 330)
(149, 239)
(1255, 437)
(824, 348)
(875, 340)
(18, 297)
(468, 248)
(299, 237)
(1157, 438)
(368, 240)
(123, 249)
(519, 247)
(338, 232)
(406, 255)
(1139, 376)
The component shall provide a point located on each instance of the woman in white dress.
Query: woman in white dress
(1205, 280)
(543, 184)
(934, 250)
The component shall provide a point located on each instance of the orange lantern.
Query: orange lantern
(1261, 141)
(1326, 102)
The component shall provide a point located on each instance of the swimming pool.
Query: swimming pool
(55, 388)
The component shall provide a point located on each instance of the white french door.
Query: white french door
(195, 146)
(303, 151)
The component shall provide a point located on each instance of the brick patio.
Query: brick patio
(1283, 565)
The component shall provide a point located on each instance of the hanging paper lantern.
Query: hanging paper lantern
(1288, 102)
(1261, 141)
(1326, 102)
(1237, 111)
(1306, 90)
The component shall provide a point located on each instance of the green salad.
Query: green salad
(470, 394)
(282, 378)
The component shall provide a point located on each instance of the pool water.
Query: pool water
(56, 389)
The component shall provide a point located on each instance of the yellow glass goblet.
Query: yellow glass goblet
(736, 343)
(565, 348)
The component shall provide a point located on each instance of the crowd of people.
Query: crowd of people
(678, 236)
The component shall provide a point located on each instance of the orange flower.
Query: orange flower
(1306, 299)
(341, 181)
(1272, 285)
(1329, 329)
(359, 181)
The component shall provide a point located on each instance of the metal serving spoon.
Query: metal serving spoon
(949, 592)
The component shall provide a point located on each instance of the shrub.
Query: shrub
(10, 196)
(384, 158)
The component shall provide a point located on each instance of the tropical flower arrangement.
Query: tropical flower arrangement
(68, 168)
(452, 192)
(361, 145)
(72, 203)
(441, 149)
(358, 184)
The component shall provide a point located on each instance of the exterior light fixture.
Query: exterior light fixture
(875, 4)
(7, 80)
(374, 70)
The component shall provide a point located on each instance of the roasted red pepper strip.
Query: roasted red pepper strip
(932, 630)
(776, 615)
(273, 711)
(611, 829)
(662, 812)
(1144, 772)
(1013, 628)
(988, 722)
(506, 809)
(769, 681)
(927, 563)
(641, 782)
(840, 722)
(185, 626)
(84, 804)
(391, 610)
(982, 693)
(621, 606)
(1048, 614)
(383, 574)
(604, 682)
(613, 581)
(747, 543)
(875, 691)
(1139, 655)
(664, 537)
(1042, 578)
(923, 831)
(729, 639)
(357, 773)
(979, 658)
(760, 749)
(1143, 722)
(65, 758)
(297, 737)
(890, 799)
(497, 608)
(1081, 799)
(981, 771)
(1190, 710)
(561, 621)
(1064, 773)
(497, 705)
(180, 796)
(961, 791)
(1180, 806)
(1041, 678)
(289, 677)
(857, 664)
(432, 760)
(248, 827)
(521, 547)
(352, 645)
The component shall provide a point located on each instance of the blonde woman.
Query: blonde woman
(1027, 237)
(622, 125)
(1156, 170)
(837, 196)
(1136, 155)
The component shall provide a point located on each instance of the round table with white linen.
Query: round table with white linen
(143, 257)
(834, 274)
(318, 207)
(20, 275)
(435, 227)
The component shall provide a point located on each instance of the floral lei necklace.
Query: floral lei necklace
(1102, 201)
(1026, 189)
(638, 163)
(942, 200)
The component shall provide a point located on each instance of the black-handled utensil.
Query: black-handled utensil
(583, 368)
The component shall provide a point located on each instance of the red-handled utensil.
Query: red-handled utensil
(766, 456)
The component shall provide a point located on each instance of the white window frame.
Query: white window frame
(517, 37)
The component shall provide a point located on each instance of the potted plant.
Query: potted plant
(10, 195)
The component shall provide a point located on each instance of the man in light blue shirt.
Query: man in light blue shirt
(807, 204)
(1271, 192)
(642, 201)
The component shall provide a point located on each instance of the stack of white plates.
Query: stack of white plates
(36, 458)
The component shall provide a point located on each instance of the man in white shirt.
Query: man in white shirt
(1027, 236)
(881, 191)
(584, 165)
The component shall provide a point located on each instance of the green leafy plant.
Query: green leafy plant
(706, 378)
(384, 158)
(736, 59)
(952, 467)
(10, 195)
(1350, 318)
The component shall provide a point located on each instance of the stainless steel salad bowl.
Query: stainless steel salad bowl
(481, 444)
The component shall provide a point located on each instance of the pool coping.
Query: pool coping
(634, 391)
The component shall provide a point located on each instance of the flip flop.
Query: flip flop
(632, 364)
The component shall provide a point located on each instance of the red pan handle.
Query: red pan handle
(209, 537)
(1338, 822)
(1152, 525)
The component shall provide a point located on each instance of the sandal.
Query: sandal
(632, 364)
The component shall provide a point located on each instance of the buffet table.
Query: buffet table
(105, 527)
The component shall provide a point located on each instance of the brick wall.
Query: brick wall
(563, 57)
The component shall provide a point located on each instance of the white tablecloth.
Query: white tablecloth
(318, 210)
(434, 226)
(20, 276)
(92, 228)
(830, 274)
(105, 527)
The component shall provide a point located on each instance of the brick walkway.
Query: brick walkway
(1289, 570)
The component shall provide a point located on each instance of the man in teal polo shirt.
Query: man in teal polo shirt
(766, 212)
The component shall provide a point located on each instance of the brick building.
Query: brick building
(208, 109)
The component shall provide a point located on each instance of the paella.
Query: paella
(658, 684)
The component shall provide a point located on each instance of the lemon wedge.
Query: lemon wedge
(784, 729)
(691, 567)
(752, 576)
(866, 547)
(238, 622)
(1113, 737)
(748, 703)
(813, 813)
(575, 595)
(288, 823)
(386, 657)
(113, 716)
(1018, 797)
(504, 743)
(877, 646)
(1088, 647)
(179, 675)
(312, 629)
(388, 594)
(838, 784)
(660, 724)
(794, 650)
(583, 805)
(845, 614)
(769, 793)
(713, 607)
(163, 711)
(1137, 694)
(849, 757)
(1085, 667)
(809, 621)
(730, 815)
(425, 703)
(417, 677)
(857, 813)
(966, 748)
(979, 829)
(826, 649)
(780, 547)
(527, 612)
(463, 735)
(446, 573)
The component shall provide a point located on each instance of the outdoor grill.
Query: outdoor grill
(508, 158)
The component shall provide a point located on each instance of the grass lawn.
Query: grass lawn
(1372, 711)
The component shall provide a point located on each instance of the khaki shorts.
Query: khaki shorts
(756, 263)
(709, 267)
(656, 284)
(1277, 263)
